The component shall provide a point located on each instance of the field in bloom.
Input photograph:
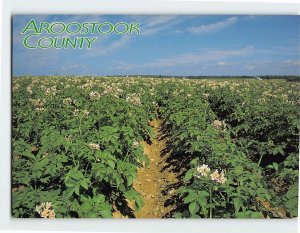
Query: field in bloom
(78, 144)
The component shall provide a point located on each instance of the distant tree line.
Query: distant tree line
(288, 78)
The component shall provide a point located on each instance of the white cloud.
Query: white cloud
(115, 45)
(120, 65)
(250, 66)
(156, 24)
(213, 27)
(103, 50)
(280, 67)
(192, 64)
(154, 21)
(222, 63)
(202, 56)
(292, 63)
(149, 26)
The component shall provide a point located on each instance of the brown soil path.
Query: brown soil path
(152, 180)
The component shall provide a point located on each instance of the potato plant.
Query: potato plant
(73, 149)
(76, 145)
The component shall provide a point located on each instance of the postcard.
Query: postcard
(155, 116)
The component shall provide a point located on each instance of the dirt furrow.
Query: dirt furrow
(153, 180)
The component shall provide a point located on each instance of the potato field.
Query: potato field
(129, 147)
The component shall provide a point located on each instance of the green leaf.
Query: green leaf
(190, 198)
(130, 180)
(249, 214)
(238, 203)
(291, 203)
(106, 213)
(202, 200)
(69, 192)
(189, 175)
(111, 163)
(84, 184)
(256, 215)
(138, 203)
(28, 155)
(131, 194)
(76, 189)
(70, 184)
(177, 215)
(293, 191)
(193, 207)
(100, 198)
(275, 165)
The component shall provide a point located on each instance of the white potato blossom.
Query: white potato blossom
(86, 113)
(94, 146)
(94, 95)
(202, 170)
(69, 139)
(135, 144)
(155, 104)
(75, 112)
(45, 210)
(29, 89)
(134, 99)
(217, 124)
(218, 177)
(222, 178)
(51, 91)
(16, 87)
(85, 86)
(67, 101)
(39, 103)
(206, 95)
(39, 109)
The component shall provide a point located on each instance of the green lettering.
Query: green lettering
(25, 41)
(70, 25)
(90, 41)
(30, 26)
(43, 45)
(103, 24)
(69, 41)
(134, 26)
(45, 25)
(55, 44)
(120, 24)
(86, 29)
(57, 25)
(93, 27)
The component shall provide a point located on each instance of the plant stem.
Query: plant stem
(73, 158)
(210, 202)
(259, 161)
(80, 127)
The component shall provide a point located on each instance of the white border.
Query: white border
(11, 7)
(153, 6)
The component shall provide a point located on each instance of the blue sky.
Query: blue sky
(169, 45)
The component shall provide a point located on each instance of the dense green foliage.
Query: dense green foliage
(76, 144)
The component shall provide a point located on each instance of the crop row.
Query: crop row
(222, 133)
(76, 145)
